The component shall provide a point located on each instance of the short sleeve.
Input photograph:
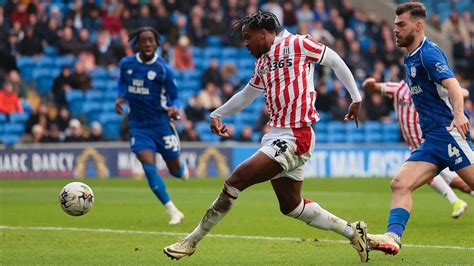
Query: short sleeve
(436, 64)
(256, 81)
(121, 84)
(312, 49)
(391, 88)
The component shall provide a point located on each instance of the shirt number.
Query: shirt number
(453, 151)
(171, 142)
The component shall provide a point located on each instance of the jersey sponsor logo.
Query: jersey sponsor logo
(137, 87)
(129, 71)
(151, 75)
(413, 71)
(440, 67)
(415, 90)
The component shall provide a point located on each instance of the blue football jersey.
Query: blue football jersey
(149, 88)
(425, 68)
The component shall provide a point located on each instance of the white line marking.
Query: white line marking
(117, 231)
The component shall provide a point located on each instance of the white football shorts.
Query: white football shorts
(291, 148)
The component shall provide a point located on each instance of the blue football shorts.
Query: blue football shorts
(162, 139)
(445, 149)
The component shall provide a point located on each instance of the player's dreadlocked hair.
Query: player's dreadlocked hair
(259, 20)
(133, 37)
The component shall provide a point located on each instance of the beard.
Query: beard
(405, 42)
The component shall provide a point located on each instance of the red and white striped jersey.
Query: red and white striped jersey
(285, 74)
(406, 112)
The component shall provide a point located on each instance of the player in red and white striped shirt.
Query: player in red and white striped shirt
(403, 105)
(284, 72)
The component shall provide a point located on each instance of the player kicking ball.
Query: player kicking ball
(284, 72)
(438, 99)
(147, 84)
(411, 132)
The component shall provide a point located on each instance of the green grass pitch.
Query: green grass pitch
(128, 226)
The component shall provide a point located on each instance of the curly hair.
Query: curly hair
(260, 20)
(135, 34)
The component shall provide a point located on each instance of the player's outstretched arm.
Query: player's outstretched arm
(333, 60)
(456, 98)
(370, 85)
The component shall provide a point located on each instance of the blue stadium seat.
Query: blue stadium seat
(256, 136)
(373, 127)
(3, 118)
(391, 132)
(99, 73)
(322, 138)
(43, 85)
(230, 53)
(245, 63)
(75, 99)
(50, 51)
(112, 85)
(68, 60)
(105, 118)
(202, 128)
(94, 96)
(108, 107)
(355, 134)
(214, 41)
(14, 128)
(41, 72)
(10, 139)
(19, 117)
(196, 51)
(209, 137)
(337, 137)
(45, 62)
(92, 110)
(336, 131)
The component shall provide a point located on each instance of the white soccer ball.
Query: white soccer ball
(76, 198)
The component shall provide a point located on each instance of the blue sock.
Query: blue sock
(397, 221)
(180, 172)
(156, 183)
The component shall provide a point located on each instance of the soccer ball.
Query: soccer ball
(76, 198)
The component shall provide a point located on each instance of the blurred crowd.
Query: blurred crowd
(95, 32)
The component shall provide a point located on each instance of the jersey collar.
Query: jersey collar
(152, 61)
(418, 48)
(281, 36)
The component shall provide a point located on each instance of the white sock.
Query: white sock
(219, 208)
(311, 213)
(170, 207)
(472, 193)
(442, 187)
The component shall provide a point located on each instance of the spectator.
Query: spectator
(40, 116)
(20, 14)
(62, 119)
(67, 44)
(376, 108)
(163, 20)
(9, 101)
(104, 51)
(209, 97)
(289, 14)
(194, 110)
(80, 79)
(321, 35)
(339, 110)
(324, 100)
(197, 33)
(182, 55)
(189, 133)
(74, 132)
(214, 18)
(111, 21)
(229, 75)
(18, 85)
(274, 7)
(30, 45)
(50, 33)
(61, 85)
(54, 135)
(227, 92)
(212, 74)
(76, 14)
(38, 135)
(246, 134)
(83, 43)
(305, 14)
(96, 132)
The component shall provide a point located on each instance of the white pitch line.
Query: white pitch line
(118, 231)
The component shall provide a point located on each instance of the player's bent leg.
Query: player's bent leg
(288, 192)
(411, 175)
(256, 169)
(467, 174)
(147, 158)
(458, 183)
(177, 168)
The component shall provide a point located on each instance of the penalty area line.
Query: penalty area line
(271, 238)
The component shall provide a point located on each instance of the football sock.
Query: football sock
(397, 221)
(444, 189)
(311, 213)
(219, 208)
(171, 208)
(156, 183)
(180, 171)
